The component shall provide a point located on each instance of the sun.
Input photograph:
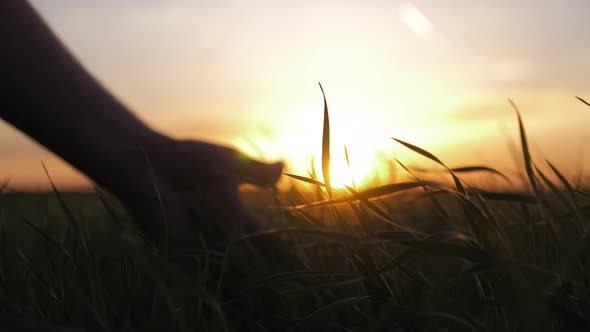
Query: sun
(364, 164)
(341, 176)
(299, 144)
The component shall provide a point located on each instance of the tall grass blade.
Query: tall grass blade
(362, 217)
(387, 218)
(326, 146)
(290, 275)
(528, 164)
(505, 196)
(468, 169)
(305, 179)
(39, 276)
(451, 317)
(108, 206)
(4, 245)
(332, 235)
(373, 193)
(582, 100)
(420, 151)
(470, 253)
(305, 323)
(308, 217)
(349, 168)
(62, 203)
(227, 256)
(163, 244)
(566, 184)
(432, 157)
(437, 205)
(4, 185)
(558, 193)
(50, 240)
(324, 286)
(78, 236)
(490, 216)
(312, 171)
(390, 189)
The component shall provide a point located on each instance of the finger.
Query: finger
(221, 204)
(255, 172)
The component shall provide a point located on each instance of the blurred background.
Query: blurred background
(245, 73)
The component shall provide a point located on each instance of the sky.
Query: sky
(245, 74)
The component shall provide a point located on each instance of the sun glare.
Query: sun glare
(294, 135)
(362, 167)
(416, 21)
(367, 161)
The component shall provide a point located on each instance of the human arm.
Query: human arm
(166, 184)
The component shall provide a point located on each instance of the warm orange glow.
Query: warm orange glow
(246, 74)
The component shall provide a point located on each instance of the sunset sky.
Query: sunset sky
(434, 73)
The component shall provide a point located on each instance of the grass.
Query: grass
(420, 255)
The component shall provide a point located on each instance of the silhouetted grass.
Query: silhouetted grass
(421, 255)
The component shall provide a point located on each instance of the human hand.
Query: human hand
(195, 187)
(171, 188)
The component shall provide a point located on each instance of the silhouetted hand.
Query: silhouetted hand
(175, 190)
(195, 190)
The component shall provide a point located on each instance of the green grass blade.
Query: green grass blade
(487, 211)
(556, 191)
(305, 179)
(390, 189)
(451, 249)
(4, 245)
(451, 317)
(432, 157)
(308, 217)
(326, 146)
(362, 217)
(528, 163)
(387, 218)
(62, 203)
(437, 205)
(324, 286)
(291, 275)
(38, 275)
(420, 151)
(469, 169)
(373, 193)
(312, 171)
(4, 185)
(393, 263)
(566, 184)
(336, 236)
(506, 196)
(349, 168)
(109, 208)
(305, 323)
(50, 240)
(582, 193)
(582, 100)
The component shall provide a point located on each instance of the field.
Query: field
(420, 255)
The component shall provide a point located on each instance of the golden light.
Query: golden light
(294, 133)
(366, 150)
(363, 165)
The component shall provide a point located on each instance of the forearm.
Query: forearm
(48, 95)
